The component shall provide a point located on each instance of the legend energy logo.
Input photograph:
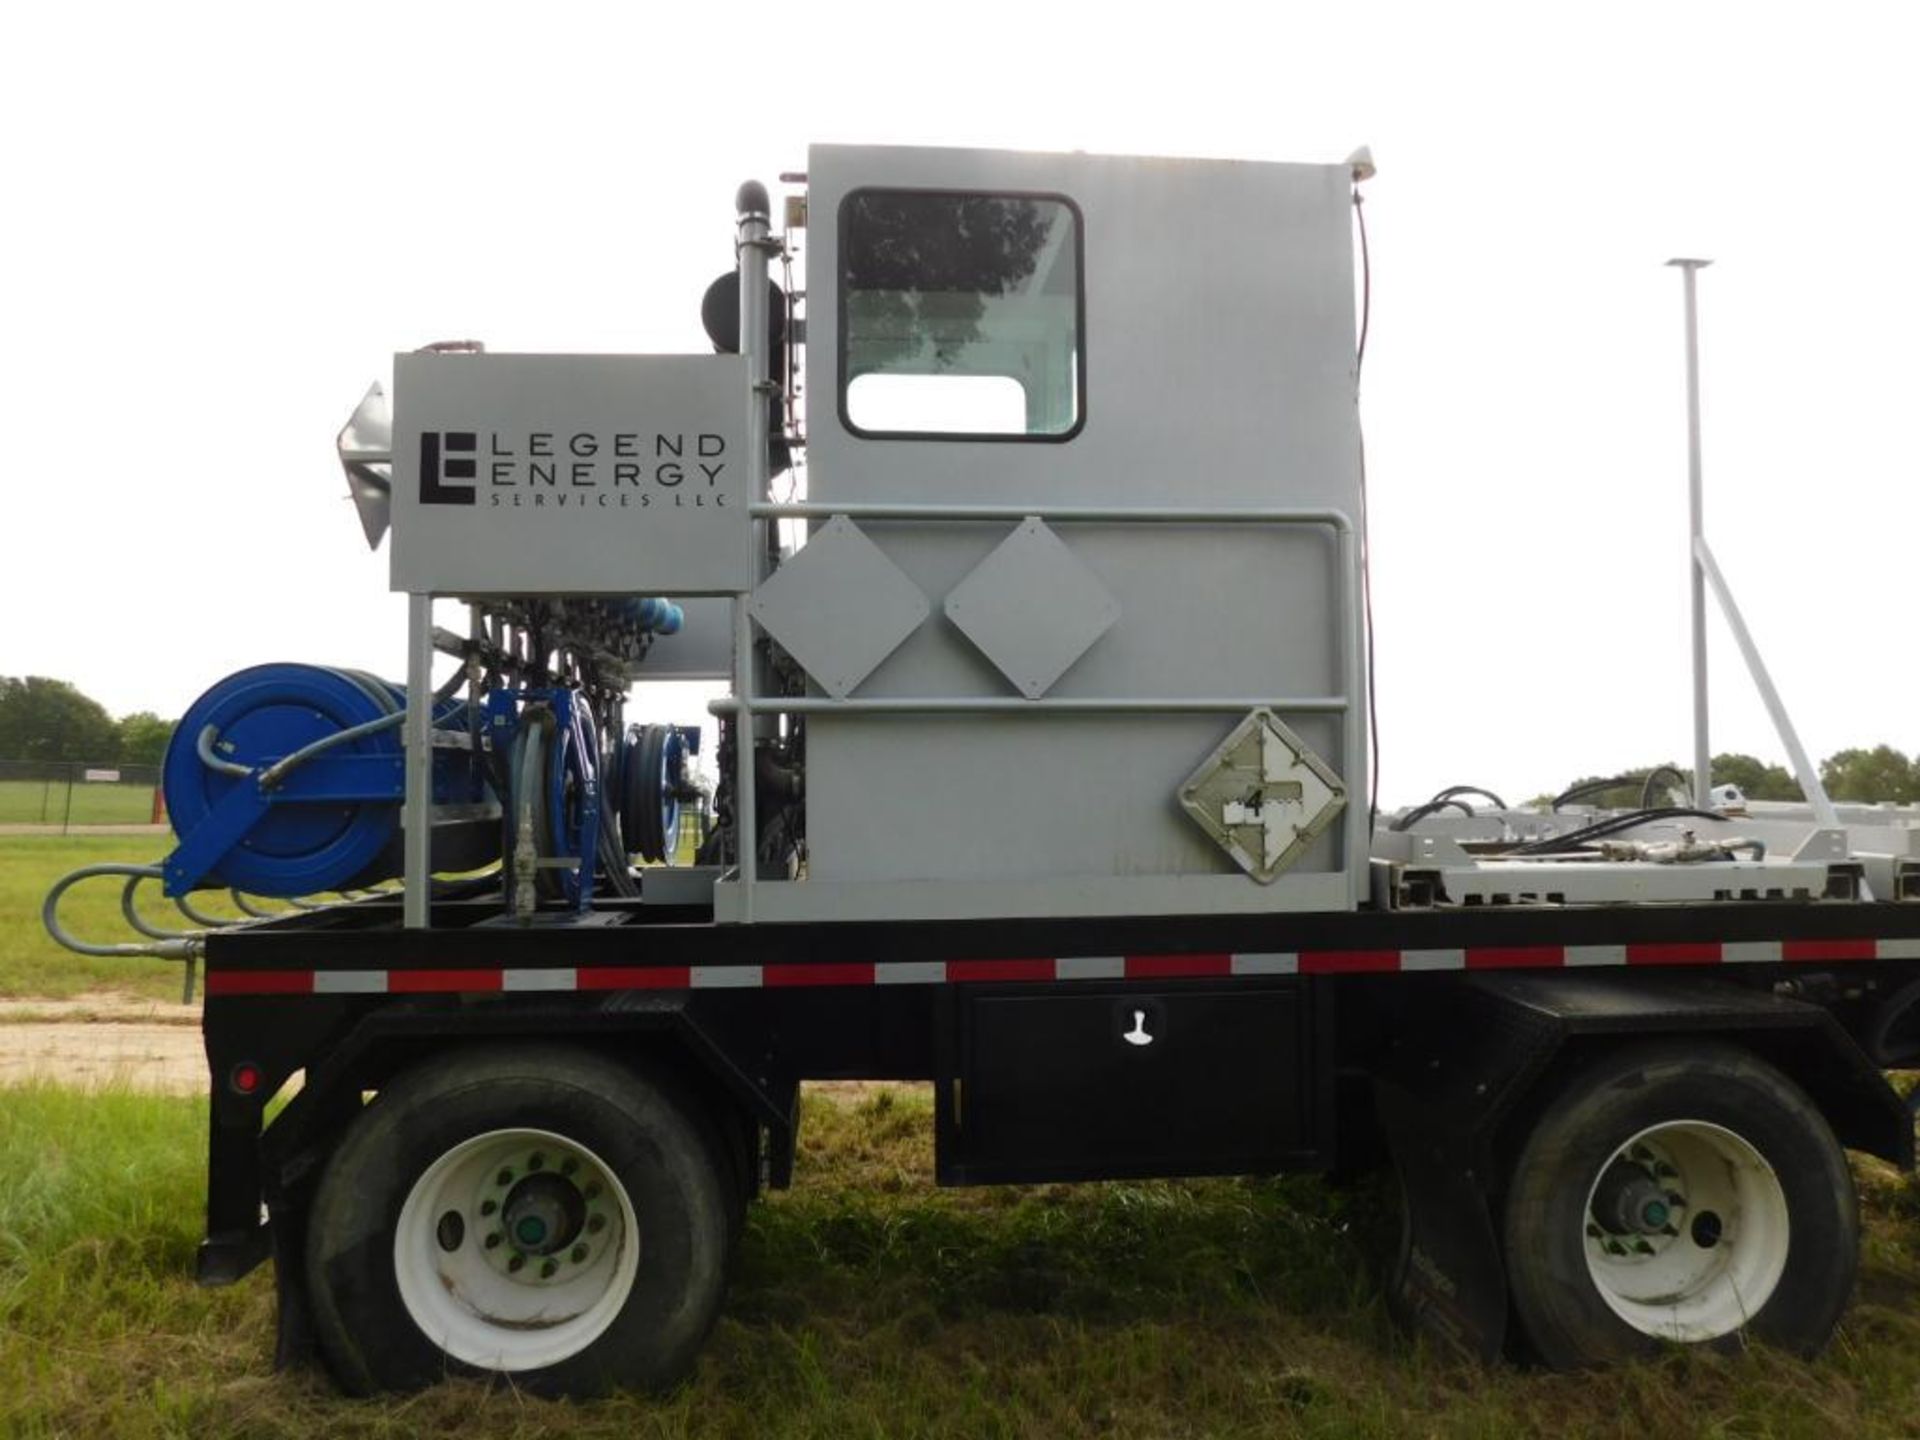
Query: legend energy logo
(435, 470)
(574, 472)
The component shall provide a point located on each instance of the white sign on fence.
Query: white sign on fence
(107, 775)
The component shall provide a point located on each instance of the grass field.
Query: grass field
(865, 1301)
(47, 802)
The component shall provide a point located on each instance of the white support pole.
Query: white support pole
(1705, 572)
(1803, 768)
(1702, 746)
(417, 807)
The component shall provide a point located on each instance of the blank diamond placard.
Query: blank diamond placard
(839, 606)
(1032, 608)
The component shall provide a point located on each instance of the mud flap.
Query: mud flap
(1450, 1281)
(293, 1345)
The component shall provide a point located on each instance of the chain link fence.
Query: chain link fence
(66, 795)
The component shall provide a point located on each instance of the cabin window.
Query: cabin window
(960, 315)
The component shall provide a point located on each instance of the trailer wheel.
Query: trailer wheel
(541, 1213)
(1679, 1195)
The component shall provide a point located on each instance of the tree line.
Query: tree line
(1868, 776)
(50, 720)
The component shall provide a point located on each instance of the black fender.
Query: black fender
(1460, 1066)
(350, 1045)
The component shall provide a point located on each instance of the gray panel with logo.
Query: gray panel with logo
(570, 474)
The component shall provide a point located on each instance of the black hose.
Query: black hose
(1432, 807)
(1647, 794)
(1590, 787)
(1613, 824)
(1443, 799)
(612, 853)
(1453, 790)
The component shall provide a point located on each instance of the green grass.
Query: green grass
(867, 1303)
(31, 964)
(39, 802)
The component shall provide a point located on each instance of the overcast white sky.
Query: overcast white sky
(221, 220)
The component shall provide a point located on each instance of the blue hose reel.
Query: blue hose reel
(286, 780)
(651, 766)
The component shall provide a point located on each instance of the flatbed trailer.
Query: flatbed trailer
(1042, 777)
(1299, 1043)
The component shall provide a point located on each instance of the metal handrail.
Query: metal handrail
(1013, 705)
(1336, 520)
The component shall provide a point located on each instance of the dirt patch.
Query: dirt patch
(112, 1040)
(109, 1038)
(108, 1006)
(93, 1055)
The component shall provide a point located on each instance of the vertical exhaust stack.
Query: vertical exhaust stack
(753, 242)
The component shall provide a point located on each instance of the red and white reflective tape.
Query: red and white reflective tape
(1074, 967)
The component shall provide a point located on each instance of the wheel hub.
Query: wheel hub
(1686, 1231)
(543, 1213)
(1633, 1199)
(515, 1249)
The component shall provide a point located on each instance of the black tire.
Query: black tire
(637, 1133)
(737, 1138)
(1685, 1100)
(730, 1139)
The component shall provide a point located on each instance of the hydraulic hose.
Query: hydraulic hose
(1613, 824)
(276, 772)
(163, 946)
(138, 921)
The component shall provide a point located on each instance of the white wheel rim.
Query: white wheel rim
(1689, 1239)
(544, 1249)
